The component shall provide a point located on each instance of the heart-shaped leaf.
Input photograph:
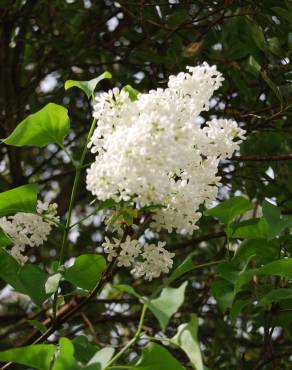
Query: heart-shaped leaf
(49, 125)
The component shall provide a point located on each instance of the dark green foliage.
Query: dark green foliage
(238, 264)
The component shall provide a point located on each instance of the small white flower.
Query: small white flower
(110, 248)
(157, 260)
(152, 150)
(126, 252)
(130, 249)
(148, 260)
(29, 229)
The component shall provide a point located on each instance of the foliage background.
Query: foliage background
(44, 43)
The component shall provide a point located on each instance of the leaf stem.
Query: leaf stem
(78, 170)
(169, 280)
(160, 339)
(84, 218)
(73, 194)
(133, 340)
(68, 154)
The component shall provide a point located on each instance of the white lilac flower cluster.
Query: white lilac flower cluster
(29, 229)
(151, 151)
(148, 260)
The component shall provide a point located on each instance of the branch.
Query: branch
(199, 239)
(270, 359)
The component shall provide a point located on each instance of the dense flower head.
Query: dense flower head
(151, 151)
(147, 260)
(29, 229)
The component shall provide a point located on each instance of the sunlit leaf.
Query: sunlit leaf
(167, 303)
(49, 125)
(52, 283)
(102, 357)
(65, 359)
(87, 86)
(38, 356)
(187, 338)
(20, 199)
(133, 93)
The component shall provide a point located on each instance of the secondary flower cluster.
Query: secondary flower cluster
(151, 151)
(148, 260)
(29, 229)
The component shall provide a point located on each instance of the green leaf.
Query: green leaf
(20, 199)
(273, 87)
(253, 66)
(27, 279)
(155, 357)
(256, 228)
(33, 280)
(38, 325)
(37, 356)
(229, 209)
(282, 267)
(49, 125)
(87, 86)
(113, 219)
(187, 265)
(84, 350)
(230, 280)
(276, 295)
(276, 224)
(223, 292)
(237, 306)
(86, 271)
(261, 250)
(52, 283)
(102, 357)
(229, 271)
(128, 215)
(4, 239)
(127, 289)
(256, 33)
(133, 93)
(283, 13)
(9, 268)
(167, 303)
(65, 359)
(187, 339)
(108, 203)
